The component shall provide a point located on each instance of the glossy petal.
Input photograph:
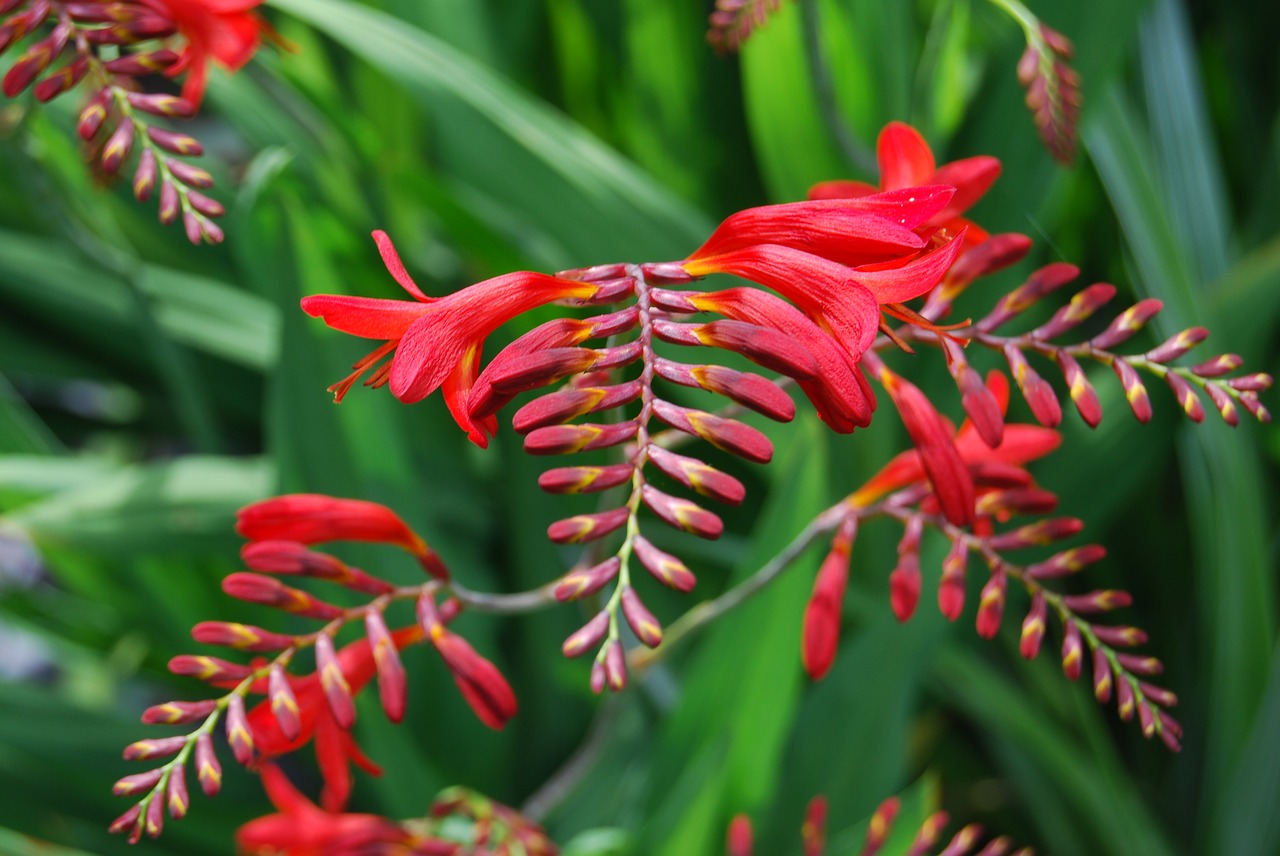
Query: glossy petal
(904, 157)
(225, 31)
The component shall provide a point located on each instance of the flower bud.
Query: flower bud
(664, 567)
(682, 514)
(583, 479)
(640, 619)
(697, 476)
(581, 582)
(588, 527)
(587, 636)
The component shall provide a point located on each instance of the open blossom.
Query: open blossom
(436, 342)
(225, 31)
(907, 161)
(301, 828)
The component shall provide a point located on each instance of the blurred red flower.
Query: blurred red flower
(225, 31)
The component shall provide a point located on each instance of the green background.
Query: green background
(148, 389)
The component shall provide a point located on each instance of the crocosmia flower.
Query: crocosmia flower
(436, 342)
(947, 459)
(301, 828)
(907, 161)
(225, 31)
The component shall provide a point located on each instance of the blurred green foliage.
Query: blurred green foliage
(148, 389)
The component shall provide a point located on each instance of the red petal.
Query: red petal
(895, 285)
(395, 267)
(368, 317)
(904, 156)
(839, 391)
(836, 229)
(822, 288)
(822, 616)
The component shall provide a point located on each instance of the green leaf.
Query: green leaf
(593, 201)
(740, 692)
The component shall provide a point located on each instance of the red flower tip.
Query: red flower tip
(821, 634)
(814, 831)
(739, 839)
(479, 681)
(312, 518)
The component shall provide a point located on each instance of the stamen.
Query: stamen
(342, 387)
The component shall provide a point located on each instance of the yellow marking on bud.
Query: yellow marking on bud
(650, 630)
(240, 734)
(991, 597)
(1126, 708)
(1102, 686)
(436, 632)
(331, 678)
(1071, 661)
(177, 805)
(209, 773)
(1135, 394)
(1078, 387)
(284, 701)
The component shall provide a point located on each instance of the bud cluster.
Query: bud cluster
(296, 708)
(732, 22)
(1213, 377)
(113, 45)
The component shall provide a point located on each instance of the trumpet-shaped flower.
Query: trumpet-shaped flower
(225, 31)
(437, 342)
(907, 161)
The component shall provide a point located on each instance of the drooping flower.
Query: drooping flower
(907, 161)
(948, 459)
(301, 828)
(225, 31)
(437, 342)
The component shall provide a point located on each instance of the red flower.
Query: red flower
(223, 30)
(335, 746)
(842, 300)
(301, 828)
(906, 161)
(946, 458)
(312, 518)
(437, 341)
